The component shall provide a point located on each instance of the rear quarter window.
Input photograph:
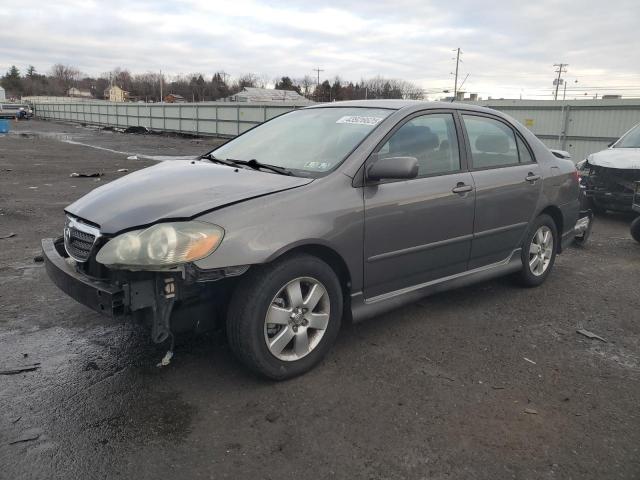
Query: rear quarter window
(493, 144)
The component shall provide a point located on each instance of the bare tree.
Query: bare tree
(64, 76)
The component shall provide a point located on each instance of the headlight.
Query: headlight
(163, 245)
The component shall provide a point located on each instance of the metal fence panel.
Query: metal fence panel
(580, 127)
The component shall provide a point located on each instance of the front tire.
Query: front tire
(284, 317)
(538, 251)
(635, 229)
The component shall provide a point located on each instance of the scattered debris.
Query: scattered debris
(446, 378)
(33, 188)
(91, 366)
(529, 360)
(273, 416)
(86, 175)
(166, 360)
(497, 387)
(7, 169)
(21, 369)
(16, 420)
(26, 439)
(123, 170)
(530, 411)
(589, 334)
(8, 235)
(136, 130)
(132, 157)
(38, 259)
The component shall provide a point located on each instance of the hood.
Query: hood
(623, 158)
(174, 190)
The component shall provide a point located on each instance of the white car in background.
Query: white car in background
(608, 177)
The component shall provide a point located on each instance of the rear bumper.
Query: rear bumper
(99, 296)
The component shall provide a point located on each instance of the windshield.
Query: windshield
(310, 142)
(630, 140)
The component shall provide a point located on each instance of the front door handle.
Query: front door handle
(462, 188)
(531, 177)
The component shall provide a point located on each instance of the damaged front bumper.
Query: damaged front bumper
(169, 301)
(609, 188)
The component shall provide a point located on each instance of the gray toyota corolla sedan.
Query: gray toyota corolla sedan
(324, 214)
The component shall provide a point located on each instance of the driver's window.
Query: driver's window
(431, 139)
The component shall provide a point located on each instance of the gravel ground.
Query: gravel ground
(486, 382)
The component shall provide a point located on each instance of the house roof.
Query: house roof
(254, 94)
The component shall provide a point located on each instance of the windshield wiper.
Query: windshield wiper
(212, 158)
(256, 165)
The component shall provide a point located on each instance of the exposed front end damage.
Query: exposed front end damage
(168, 302)
(608, 188)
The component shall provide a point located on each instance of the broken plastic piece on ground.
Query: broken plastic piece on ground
(132, 157)
(123, 170)
(166, 359)
(136, 130)
(26, 439)
(86, 175)
(589, 334)
(8, 235)
(529, 360)
(21, 369)
(530, 411)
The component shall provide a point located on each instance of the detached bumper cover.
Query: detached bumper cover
(99, 296)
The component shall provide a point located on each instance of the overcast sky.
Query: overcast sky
(509, 49)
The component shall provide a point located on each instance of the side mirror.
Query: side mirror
(400, 168)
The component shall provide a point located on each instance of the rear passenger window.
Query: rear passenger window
(431, 139)
(525, 154)
(493, 144)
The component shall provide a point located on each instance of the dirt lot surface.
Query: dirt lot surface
(486, 382)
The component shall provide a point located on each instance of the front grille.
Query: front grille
(78, 239)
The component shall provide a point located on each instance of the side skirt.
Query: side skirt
(363, 308)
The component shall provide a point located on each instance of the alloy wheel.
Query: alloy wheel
(541, 250)
(297, 319)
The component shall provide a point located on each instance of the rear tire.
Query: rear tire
(302, 296)
(538, 251)
(635, 229)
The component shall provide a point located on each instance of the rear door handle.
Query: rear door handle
(531, 177)
(462, 188)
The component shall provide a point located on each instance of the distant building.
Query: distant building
(266, 95)
(115, 94)
(3, 95)
(76, 92)
(174, 98)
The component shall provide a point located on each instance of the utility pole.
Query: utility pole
(561, 69)
(224, 76)
(318, 70)
(161, 97)
(455, 86)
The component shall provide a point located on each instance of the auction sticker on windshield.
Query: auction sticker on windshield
(358, 120)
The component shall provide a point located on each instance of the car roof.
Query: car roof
(404, 105)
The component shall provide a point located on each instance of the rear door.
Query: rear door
(508, 184)
(420, 229)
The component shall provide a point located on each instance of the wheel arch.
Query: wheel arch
(327, 254)
(558, 218)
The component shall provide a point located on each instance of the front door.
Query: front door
(419, 230)
(508, 184)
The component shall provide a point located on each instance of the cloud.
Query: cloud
(509, 48)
